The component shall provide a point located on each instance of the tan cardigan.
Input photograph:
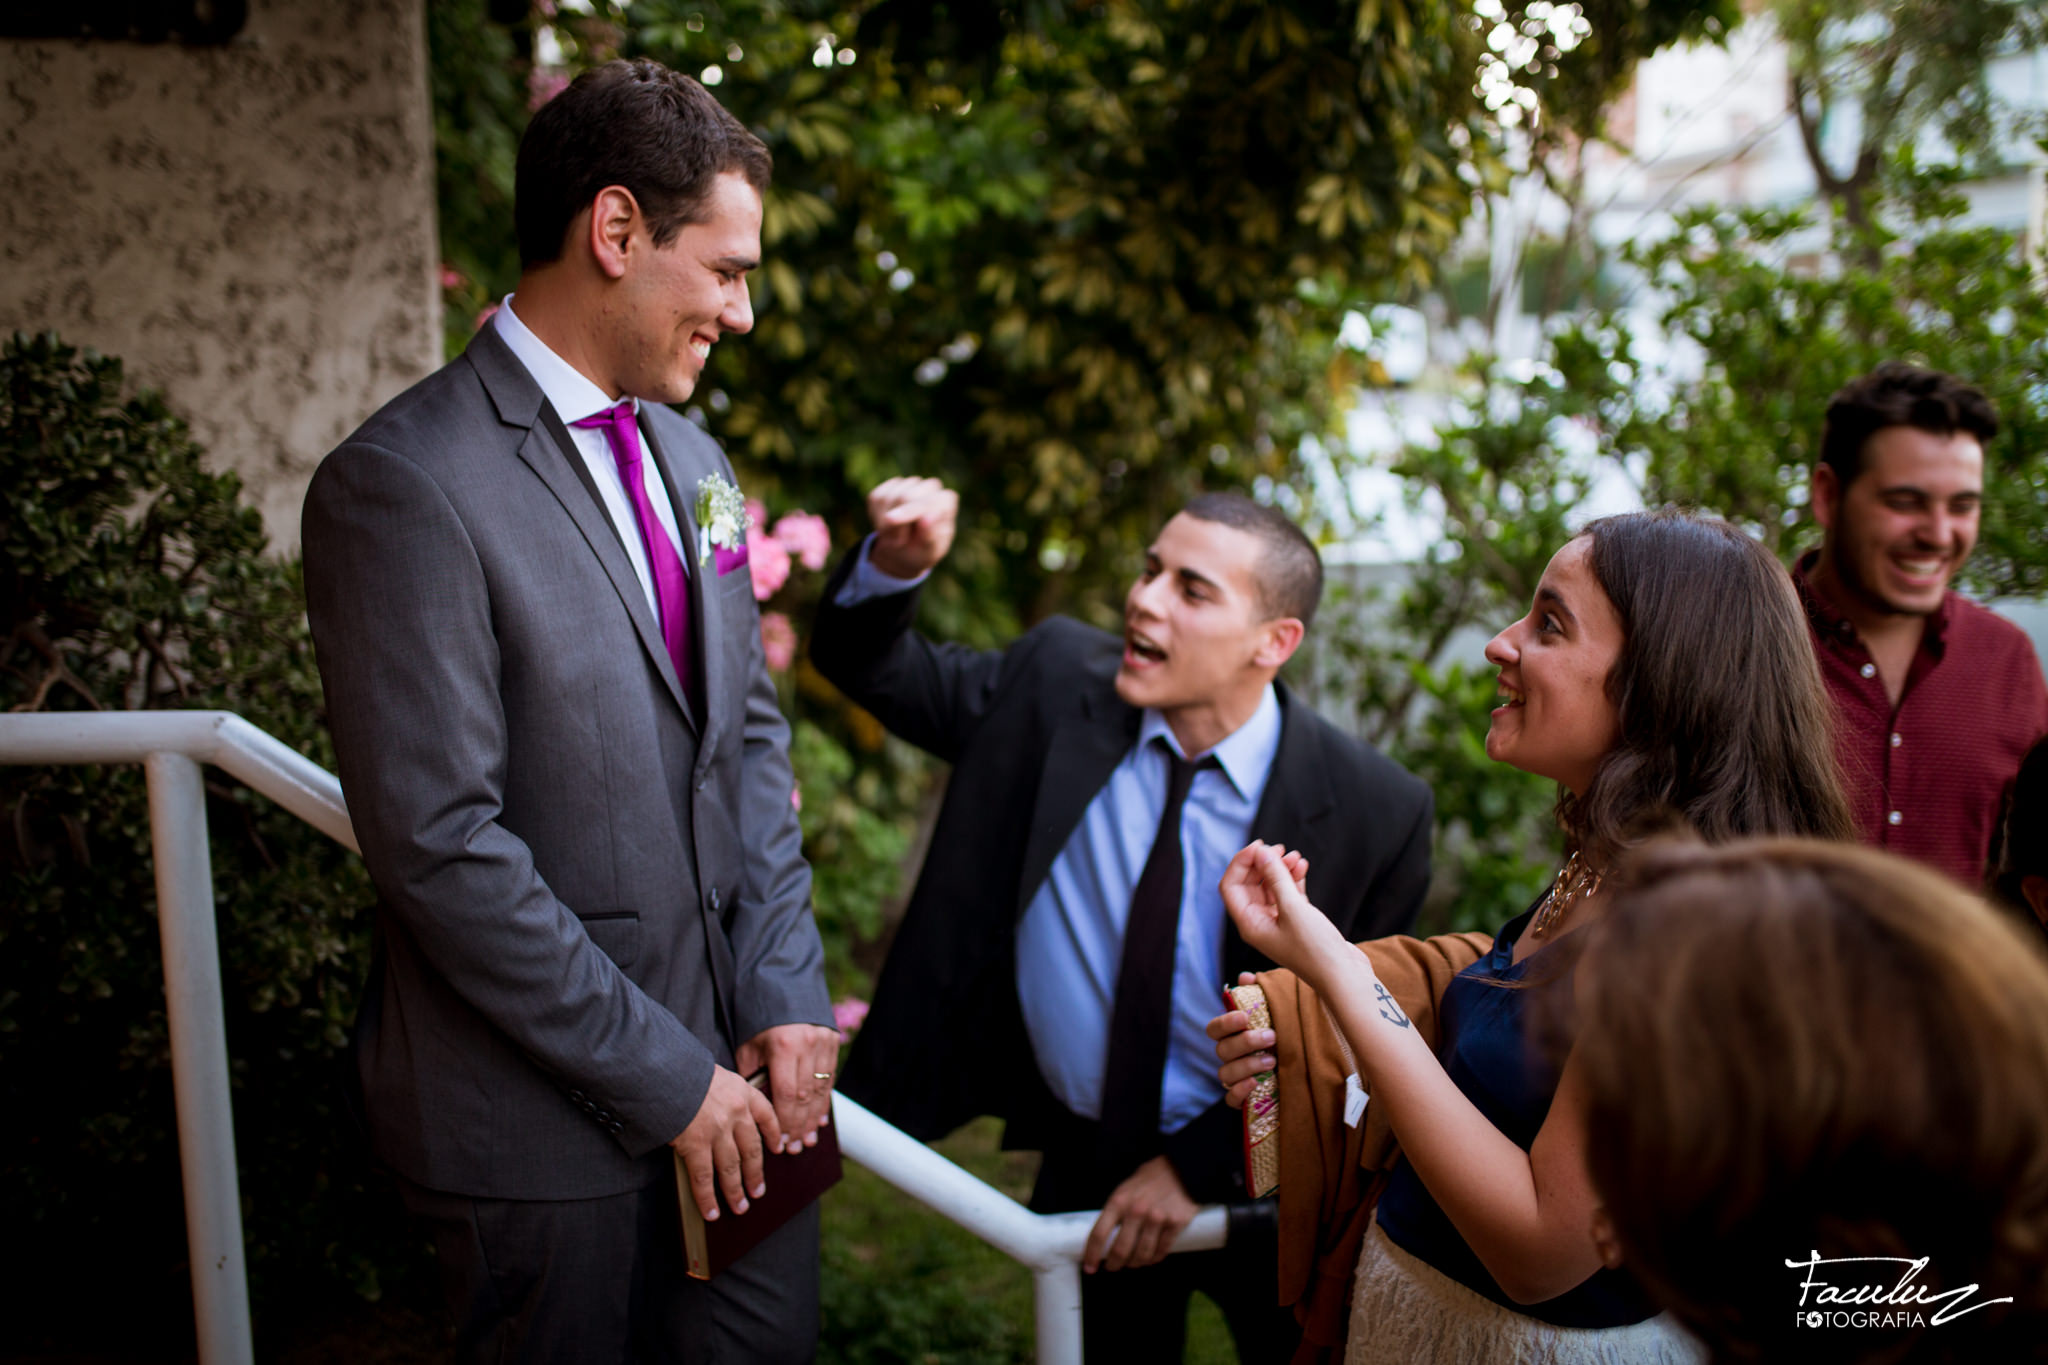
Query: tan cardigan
(1330, 1175)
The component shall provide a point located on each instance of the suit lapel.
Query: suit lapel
(550, 453)
(714, 668)
(1294, 811)
(1084, 751)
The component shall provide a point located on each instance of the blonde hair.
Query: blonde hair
(1792, 1046)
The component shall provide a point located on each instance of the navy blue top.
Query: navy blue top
(1485, 1048)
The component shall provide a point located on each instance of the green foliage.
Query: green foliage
(1058, 260)
(479, 79)
(898, 1284)
(1505, 478)
(134, 580)
(1730, 425)
(1078, 261)
(1776, 343)
(1899, 72)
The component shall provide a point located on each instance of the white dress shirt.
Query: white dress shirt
(574, 398)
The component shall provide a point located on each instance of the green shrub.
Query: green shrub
(133, 579)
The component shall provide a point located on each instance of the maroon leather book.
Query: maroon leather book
(795, 1180)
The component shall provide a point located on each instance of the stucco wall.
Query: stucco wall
(249, 227)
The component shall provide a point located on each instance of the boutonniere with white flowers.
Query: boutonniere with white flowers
(721, 517)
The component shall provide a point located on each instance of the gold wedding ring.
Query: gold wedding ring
(821, 1075)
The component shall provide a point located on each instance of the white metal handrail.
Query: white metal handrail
(170, 745)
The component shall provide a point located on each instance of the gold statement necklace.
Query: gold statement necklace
(1575, 881)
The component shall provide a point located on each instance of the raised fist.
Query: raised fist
(914, 521)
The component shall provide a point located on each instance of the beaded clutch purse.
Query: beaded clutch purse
(1262, 1109)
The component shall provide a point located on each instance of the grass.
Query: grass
(903, 1285)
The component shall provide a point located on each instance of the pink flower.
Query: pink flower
(451, 278)
(805, 535)
(768, 562)
(543, 85)
(796, 798)
(849, 1014)
(485, 316)
(757, 514)
(778, 637)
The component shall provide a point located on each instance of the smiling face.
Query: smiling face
(1197, 644)
(671, 303)
(1902, 527)
(1557, 720)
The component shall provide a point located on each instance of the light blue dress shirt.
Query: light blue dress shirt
(868, 581)
(1070, 941)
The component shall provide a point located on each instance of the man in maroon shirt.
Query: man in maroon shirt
(1936, 699)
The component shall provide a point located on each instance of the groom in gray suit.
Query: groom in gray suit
(563, 756)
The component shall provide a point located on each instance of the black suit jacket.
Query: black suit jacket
(1033, 732)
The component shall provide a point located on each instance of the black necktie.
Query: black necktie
(1139, 1020)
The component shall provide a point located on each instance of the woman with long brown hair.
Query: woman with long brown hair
(1663, 670)
(1815, 1088)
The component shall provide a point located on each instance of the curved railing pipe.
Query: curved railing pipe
(170, 746)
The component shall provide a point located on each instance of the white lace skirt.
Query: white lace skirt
(1403, 1312)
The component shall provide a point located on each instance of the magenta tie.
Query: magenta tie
(671, 585)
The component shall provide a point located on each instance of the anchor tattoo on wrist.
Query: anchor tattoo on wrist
(1390, 1008)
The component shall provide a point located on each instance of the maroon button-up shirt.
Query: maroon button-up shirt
(1928, 779)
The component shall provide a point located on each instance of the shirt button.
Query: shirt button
(1896, 741)
(1868, 670)
(1892, 819)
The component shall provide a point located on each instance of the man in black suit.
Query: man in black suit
(1066, 942)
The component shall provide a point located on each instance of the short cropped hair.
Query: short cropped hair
(1290, 574)
(631, 123)
(1897, 394)
(1792, 1047)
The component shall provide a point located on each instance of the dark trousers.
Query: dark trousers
(602, 1282)
(1142, 1314)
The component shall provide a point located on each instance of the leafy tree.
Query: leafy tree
(1730, 426)
(1061, 261)
(1079, 261)
(1899, 69)
(1777, 343)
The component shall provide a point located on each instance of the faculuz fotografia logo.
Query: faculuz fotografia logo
(1878, 1291)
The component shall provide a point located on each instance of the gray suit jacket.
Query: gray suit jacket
(588, 895)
